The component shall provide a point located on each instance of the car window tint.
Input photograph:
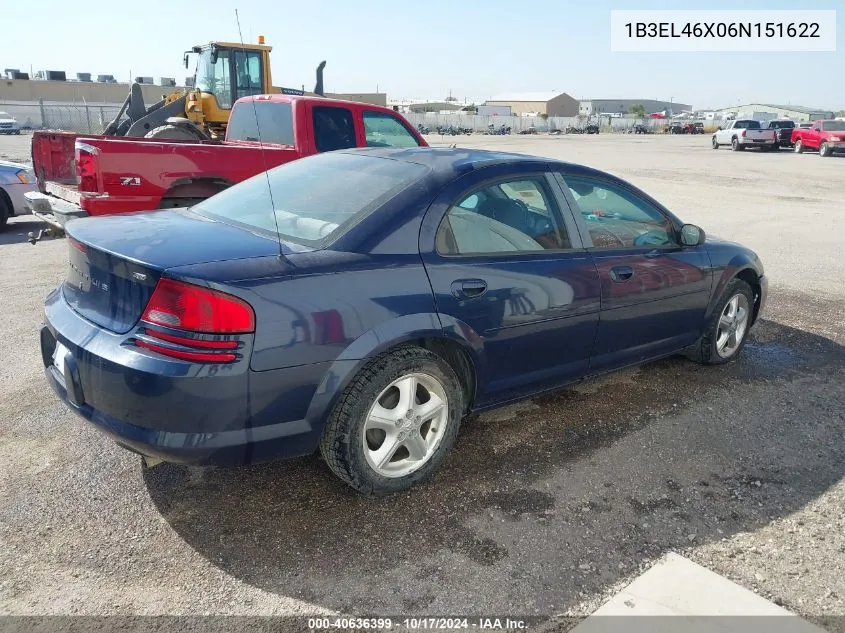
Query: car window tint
(616, 218)
(497, 219)
(334, 128)
(384, 130)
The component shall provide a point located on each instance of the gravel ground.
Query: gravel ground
(546, 507)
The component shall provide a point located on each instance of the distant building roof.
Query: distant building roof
(794, 108)
(520, 97)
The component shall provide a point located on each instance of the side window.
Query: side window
(510, 216)
(334, 128)
(617, 218)
(383, 130)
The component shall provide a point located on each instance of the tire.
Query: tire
(824, 150)
(5, 210)
(178, 132)
(799, 147)
(708, 350)
(350, 441)
(715, 143)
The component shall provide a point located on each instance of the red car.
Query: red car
(826, 135)
(81, 175)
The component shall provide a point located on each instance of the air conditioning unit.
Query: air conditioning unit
(56, 75)
(144, 80)
(106, 79)
(83, 77)
(167, 81)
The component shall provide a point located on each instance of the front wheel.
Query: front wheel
(824, 150)
(799, 147)
(726, 331)
(715, 143)
(395, 422)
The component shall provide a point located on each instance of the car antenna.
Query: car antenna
(261, 145)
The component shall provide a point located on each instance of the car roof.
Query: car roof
(454, 161)
(315, 99)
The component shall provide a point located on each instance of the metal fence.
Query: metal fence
(541, 125)
(84, 118)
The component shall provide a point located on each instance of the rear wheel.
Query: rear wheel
(727, 329)
(395, 422)
(735, 146)
(178, 132)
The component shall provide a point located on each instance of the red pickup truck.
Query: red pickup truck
(826, 135)
(82, 175)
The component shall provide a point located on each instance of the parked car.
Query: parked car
(8, 124)
(783, 128)
(103, 175)
(15, 180)
(362, 302)
(592, 128)
(826, 135)
(639, 128)
(697, 128)
(744, 133)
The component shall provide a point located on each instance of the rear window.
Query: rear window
(313, 200)
(264, 121)
(748, 125)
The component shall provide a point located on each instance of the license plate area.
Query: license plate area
(59, 355)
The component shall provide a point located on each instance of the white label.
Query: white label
(723, 30)
(59, 358)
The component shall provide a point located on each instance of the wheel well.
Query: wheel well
(191, 192)
(750, 277)
(459, 360)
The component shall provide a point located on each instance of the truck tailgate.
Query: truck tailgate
(53, 157)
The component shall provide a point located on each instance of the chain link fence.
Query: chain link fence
(82, 118)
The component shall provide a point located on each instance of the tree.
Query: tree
(638, 111)
(841, 113)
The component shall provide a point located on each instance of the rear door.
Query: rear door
(654, 291)
(508, 269)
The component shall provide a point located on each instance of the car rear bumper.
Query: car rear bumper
(52, 210)
(197, 416)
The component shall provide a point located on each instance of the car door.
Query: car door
(723, 135)
(654, 291)
(508, 268)
(813, 140)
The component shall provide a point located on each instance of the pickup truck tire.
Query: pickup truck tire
(799, 147)
(366, 417)
(735, 145)
(715, 143)
(178, 132)
(824, 150)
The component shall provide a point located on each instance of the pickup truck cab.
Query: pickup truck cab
(84, 175)
(743, 133)
(783, 128)
(826, 135)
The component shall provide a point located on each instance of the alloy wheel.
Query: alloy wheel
(733, 325)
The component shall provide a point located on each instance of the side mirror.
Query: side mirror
(214, 54)
(186, 60)
(692, 235)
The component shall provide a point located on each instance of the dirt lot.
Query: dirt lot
(543, 508)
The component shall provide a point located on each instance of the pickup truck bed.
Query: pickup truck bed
(82, 175)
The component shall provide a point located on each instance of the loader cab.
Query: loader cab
(225, 72)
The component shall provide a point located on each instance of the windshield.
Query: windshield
(315, 199)
(214, 76)
(833, 126)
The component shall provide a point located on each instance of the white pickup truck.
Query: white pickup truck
(744, 133)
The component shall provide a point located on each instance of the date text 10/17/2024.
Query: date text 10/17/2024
(420, 623)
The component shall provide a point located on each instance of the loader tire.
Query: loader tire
(178, 132)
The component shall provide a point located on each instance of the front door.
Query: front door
(654, 291)
(506, 265)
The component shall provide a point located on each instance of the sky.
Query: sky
(425, 49)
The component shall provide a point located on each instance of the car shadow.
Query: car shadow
(541, 503)
(18, 229)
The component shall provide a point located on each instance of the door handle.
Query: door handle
(468, 288)
(621, 274)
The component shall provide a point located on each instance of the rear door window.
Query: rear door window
(385, 130)
(334, 128)
(261, 121)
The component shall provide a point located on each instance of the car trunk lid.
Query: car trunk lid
(116, 261)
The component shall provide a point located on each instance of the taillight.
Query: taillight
(744, 132)
(86, 167)
(195, 310)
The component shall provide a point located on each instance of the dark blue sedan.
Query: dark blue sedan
(363, 302)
